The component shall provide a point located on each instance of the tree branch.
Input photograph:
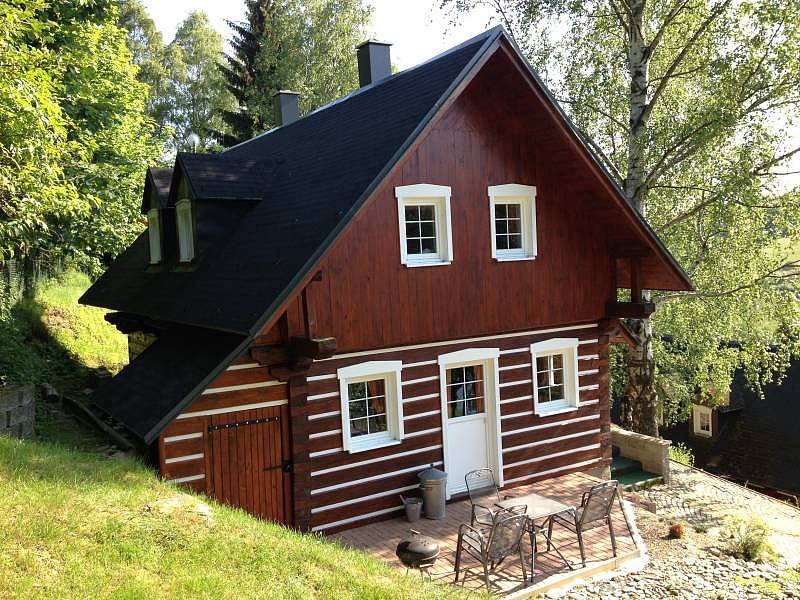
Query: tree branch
(671, 16)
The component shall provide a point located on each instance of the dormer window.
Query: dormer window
(513, 221)
(154, 235)
(424, 216)
(183, 215)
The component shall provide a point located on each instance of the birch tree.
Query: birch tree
(693, 106)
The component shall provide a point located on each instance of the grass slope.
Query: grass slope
(74, 525)
(50, 338)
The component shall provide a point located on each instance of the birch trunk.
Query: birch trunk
(639, 407)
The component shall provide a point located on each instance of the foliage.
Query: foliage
(75, 140)
(681, 453)
(196, 86)
(288, 44)
(49, 338)
(746, 538)
(74, 525)
(691, 107)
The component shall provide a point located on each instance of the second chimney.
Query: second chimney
(287, 108)
(374, 62)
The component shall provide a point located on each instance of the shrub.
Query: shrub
(747, 538)
(681, 453)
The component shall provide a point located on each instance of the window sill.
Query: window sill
(546, 412)
(513, 258)
(432, 263)
(355, 448)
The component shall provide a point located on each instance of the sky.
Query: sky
(417, 29)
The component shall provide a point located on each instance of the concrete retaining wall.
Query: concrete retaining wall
(17, 411)
(652, 452)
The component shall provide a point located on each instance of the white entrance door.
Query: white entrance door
(468, 404)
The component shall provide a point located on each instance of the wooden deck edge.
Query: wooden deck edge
(564, 579)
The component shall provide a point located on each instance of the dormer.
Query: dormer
(154, 203)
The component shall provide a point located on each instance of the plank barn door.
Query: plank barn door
(249, 459)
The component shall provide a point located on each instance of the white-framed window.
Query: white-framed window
(512, 215)
(701, 420)
(372, 405)
(555, 375)
(423, 213)
(185, 224)
(154, 235)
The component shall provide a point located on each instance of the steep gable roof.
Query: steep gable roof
(315, 174)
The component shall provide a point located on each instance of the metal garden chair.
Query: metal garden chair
(492, 545)
(483, 495)
(594, 511)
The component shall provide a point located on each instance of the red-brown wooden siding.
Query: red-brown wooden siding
(357, 487)
(191, 454)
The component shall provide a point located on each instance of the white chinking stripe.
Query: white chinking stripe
(551, 440)
(320, 509)
(339, 486)
(424, 397)
(577, 465)
(244, 366)
(422, 414)
(516, 399)
(421, 380)
(553, 424)
(519, 414)
(463, 341)
(553, 455)
(316, 417)
(370, 461)
(512, 367)
(589, 357)
(594, 341)
(243, 386)
(423, 363)
(180, 459)
(321, 377)
(322, 396)
(376, 513)
(514, 351)
(589, 372)
(321, 434)
(594, 386)
(187, 479)
(589, 402)
(230, 409)
(423, 432)
(512, 383)
(324, 452)
(185, 436)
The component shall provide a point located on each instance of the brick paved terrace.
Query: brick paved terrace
(380, 539)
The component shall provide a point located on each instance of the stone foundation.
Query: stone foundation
(652, 452)
(17, 411)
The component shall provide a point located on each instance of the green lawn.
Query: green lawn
(75, 525)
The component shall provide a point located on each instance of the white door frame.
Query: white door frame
(487, 357)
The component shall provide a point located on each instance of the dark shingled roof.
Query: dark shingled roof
(311, 176)
(147, 394)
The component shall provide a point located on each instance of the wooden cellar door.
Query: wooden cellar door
(250, 461)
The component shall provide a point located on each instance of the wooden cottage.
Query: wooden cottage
(424, 272)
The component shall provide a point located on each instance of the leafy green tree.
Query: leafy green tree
(197, 87)
(287, 44)
(75, 137)
(691, 104)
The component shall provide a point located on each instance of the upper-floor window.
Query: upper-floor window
(185, 222)
(701, 420)
(425, 231)
(513, 221)
(555, 375)
(372, 408)
(154, 235)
